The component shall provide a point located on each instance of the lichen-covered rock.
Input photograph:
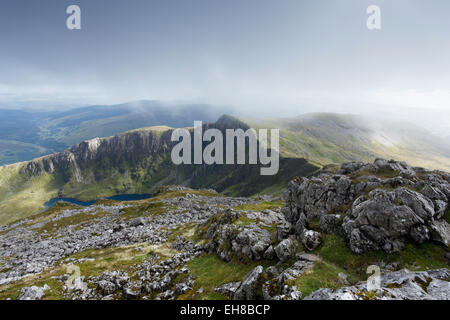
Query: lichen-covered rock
(251, 286)
(228, 289)
(399, 285)
(228, 237)
(33, 292)
(378, 206)
(384, 219)
(285, 250)
(107, 287)
(311, 239)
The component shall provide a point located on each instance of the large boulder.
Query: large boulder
(285, 250)
(311, 239)
(386, 219)
(33, 292)
(251, 286)
(227, 235)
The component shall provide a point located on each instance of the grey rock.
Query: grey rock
(372, 212)
(441, 231)
(311, 239)
(107, 288)
(269, 254)
(131, 293)
(136, 222)
(272, 272)
(33, 292)
(251, 286)
(285, 250)
(228, 289)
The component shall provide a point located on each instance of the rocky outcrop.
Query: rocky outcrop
(378, 206)
(250, 286)
(245, 235)
(33, 292)
(400, 285)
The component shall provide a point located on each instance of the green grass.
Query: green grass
(187, 231)
(264, 205)
(119, 258)
(415, 257)
(211, 272)
(337, 257)
(447, 215)
(322, 275)
(73, 220)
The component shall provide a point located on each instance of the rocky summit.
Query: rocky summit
(332, 236)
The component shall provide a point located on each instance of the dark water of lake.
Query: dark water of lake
(120, 197)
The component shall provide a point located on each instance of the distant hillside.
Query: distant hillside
(336, 138)
(29, 134)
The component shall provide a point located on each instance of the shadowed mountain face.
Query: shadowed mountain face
(25, 135)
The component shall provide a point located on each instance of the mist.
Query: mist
(253, 58)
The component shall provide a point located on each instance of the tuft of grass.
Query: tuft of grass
(447, 215)
(415, 257)
(119, 258)
(211, 272)
(322, 275)
(151, 208)
(263, 205)
(73, 220)
(187, 231)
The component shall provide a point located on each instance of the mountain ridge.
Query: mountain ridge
(138, 161)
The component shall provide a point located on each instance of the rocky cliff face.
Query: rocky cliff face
(130, 147)
(378, 206)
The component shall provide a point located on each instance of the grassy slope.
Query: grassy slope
(326, 138)
(11, 150)
(338, 258)
(21, 196)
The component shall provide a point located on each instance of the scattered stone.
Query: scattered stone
(228, 289)
(33, 292)
(285, 250)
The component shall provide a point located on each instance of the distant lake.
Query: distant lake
(120, 197)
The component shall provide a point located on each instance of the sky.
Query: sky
(261, 57)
